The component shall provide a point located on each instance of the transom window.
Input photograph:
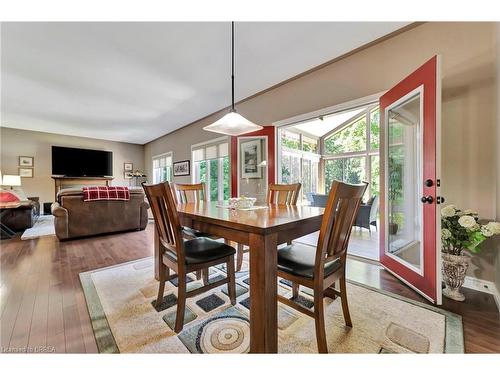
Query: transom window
(211, 166)
(162, 168)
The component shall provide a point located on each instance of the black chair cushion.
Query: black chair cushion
(299, 260)
(204, 250)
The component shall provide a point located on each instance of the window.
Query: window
(211, 166)
(352, 152)
(350, 170)
(375, 129)
(352, 138)
(299, 161)
(162, 168)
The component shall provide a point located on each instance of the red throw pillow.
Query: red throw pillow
(6, 197)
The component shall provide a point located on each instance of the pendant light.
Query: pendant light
(232, 123)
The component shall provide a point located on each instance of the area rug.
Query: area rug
(121, 298)
(44, 226)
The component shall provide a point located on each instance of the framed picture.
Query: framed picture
(127, 175)
(26, 172)
(181, 168)
(251, 157)
(26, 161)
(128, 167)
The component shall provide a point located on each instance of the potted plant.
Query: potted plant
(461, 235)
(395, 191)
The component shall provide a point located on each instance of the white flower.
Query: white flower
(445, 234)
(486, 231)
(448, 211)
(493, 227)
(467, 222)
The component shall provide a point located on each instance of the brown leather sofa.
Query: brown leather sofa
(76, 218)
(23, 217)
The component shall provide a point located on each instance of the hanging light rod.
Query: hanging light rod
(232, 123)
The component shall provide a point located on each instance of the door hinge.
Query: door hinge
(439, 200)
(438, 182)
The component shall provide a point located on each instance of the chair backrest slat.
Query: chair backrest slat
(283, 193)
(163, 206)
(340, 213)
(190, 193)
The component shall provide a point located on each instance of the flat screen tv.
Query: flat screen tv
(79, 162)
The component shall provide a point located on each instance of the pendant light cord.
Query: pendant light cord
(232, 66)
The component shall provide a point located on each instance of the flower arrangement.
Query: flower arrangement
(460, 230)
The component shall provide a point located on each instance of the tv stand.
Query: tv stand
(61, 181)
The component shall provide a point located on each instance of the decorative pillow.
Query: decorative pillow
(7, 196)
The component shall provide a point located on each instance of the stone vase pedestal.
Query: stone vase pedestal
(454, 268)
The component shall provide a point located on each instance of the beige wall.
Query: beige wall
(469, 67)
(16, 142)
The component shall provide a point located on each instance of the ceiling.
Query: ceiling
(321, 126)
(134, 81)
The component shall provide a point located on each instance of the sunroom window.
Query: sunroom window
(341, 146)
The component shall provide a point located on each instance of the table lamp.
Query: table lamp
(11, 180)
(10, 196)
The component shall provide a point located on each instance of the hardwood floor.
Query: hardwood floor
(43, 306)
(362, 243)
(42, 302)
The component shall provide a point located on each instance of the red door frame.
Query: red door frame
(270, 133)
(428, 77)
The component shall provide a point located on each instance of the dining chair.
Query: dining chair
(276, 194)
(192, 193)
(185, 256)
(283, 193)
(320, 269)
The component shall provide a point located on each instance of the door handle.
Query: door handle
(427, 199)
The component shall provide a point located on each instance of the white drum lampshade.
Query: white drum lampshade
(11, 180)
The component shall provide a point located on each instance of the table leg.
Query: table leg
(263, 293)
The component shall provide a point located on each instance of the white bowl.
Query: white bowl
(242, 202)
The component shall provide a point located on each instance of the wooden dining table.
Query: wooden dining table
(262, 230)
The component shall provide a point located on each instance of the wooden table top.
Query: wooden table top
(263, 220)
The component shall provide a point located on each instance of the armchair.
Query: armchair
(367, 214)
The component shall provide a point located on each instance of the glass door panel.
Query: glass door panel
(404, 182)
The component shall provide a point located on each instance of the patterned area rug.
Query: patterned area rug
(121, 300)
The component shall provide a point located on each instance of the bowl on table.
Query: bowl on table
(242, 202)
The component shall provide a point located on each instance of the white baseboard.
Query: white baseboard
(483, 286)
